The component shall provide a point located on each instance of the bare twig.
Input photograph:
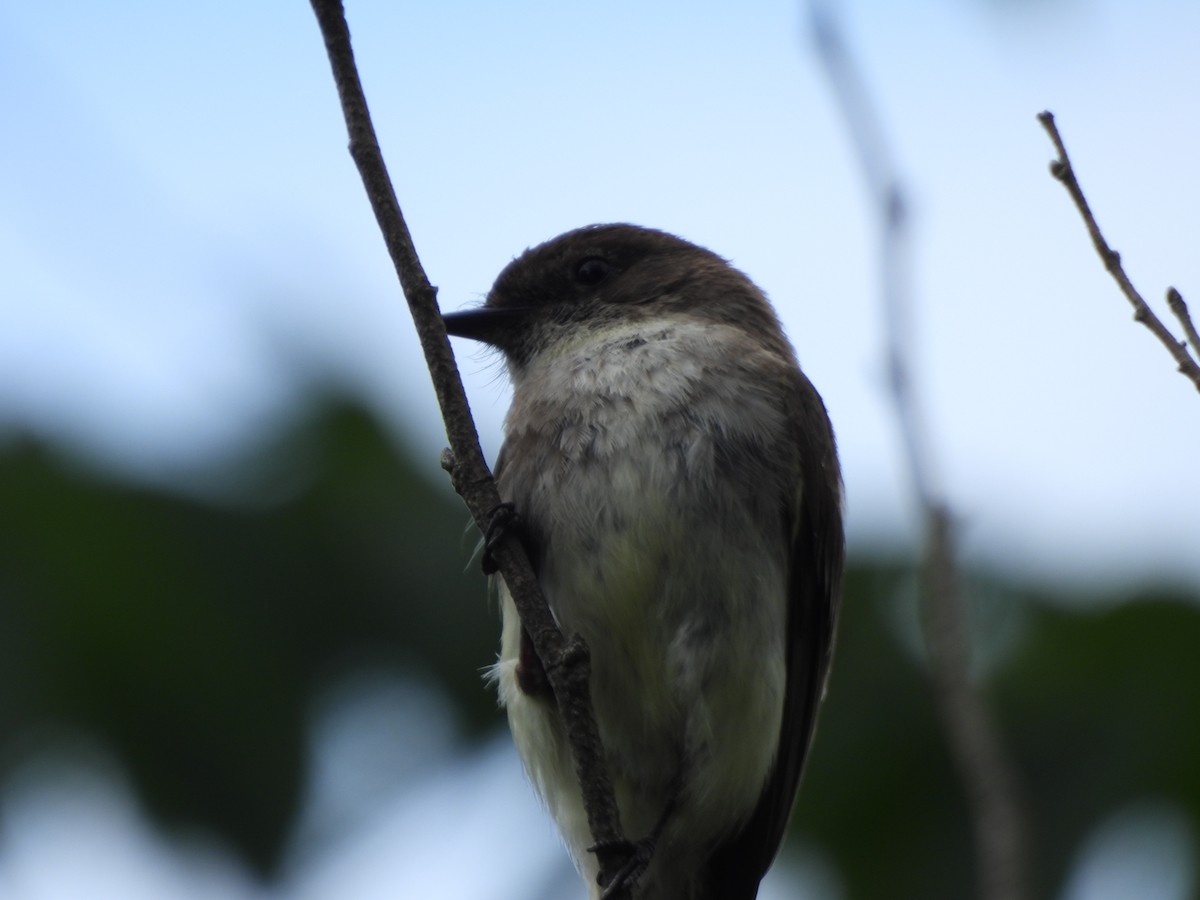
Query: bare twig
(1062, 169)
(984, 769)
(565, 661)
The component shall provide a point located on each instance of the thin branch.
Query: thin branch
(983, 767)
(887, 196)
(565, 661)
(1062, 169)
(987, 774)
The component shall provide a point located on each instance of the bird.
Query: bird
(675, 479)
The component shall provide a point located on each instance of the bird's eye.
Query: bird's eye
(592, 270)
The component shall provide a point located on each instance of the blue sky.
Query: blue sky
(183, 228)
(184, 240)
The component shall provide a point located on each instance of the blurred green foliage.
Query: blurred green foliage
(191, 637)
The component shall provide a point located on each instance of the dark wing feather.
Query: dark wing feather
(818, 551)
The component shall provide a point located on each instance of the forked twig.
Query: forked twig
(1062, 169)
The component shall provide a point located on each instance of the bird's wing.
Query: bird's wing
(814, 522)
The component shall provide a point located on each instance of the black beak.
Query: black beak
(484, 324)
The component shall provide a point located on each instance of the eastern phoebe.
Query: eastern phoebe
(676, 479)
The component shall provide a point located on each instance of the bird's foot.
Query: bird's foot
(502, 517)
(637, 856)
